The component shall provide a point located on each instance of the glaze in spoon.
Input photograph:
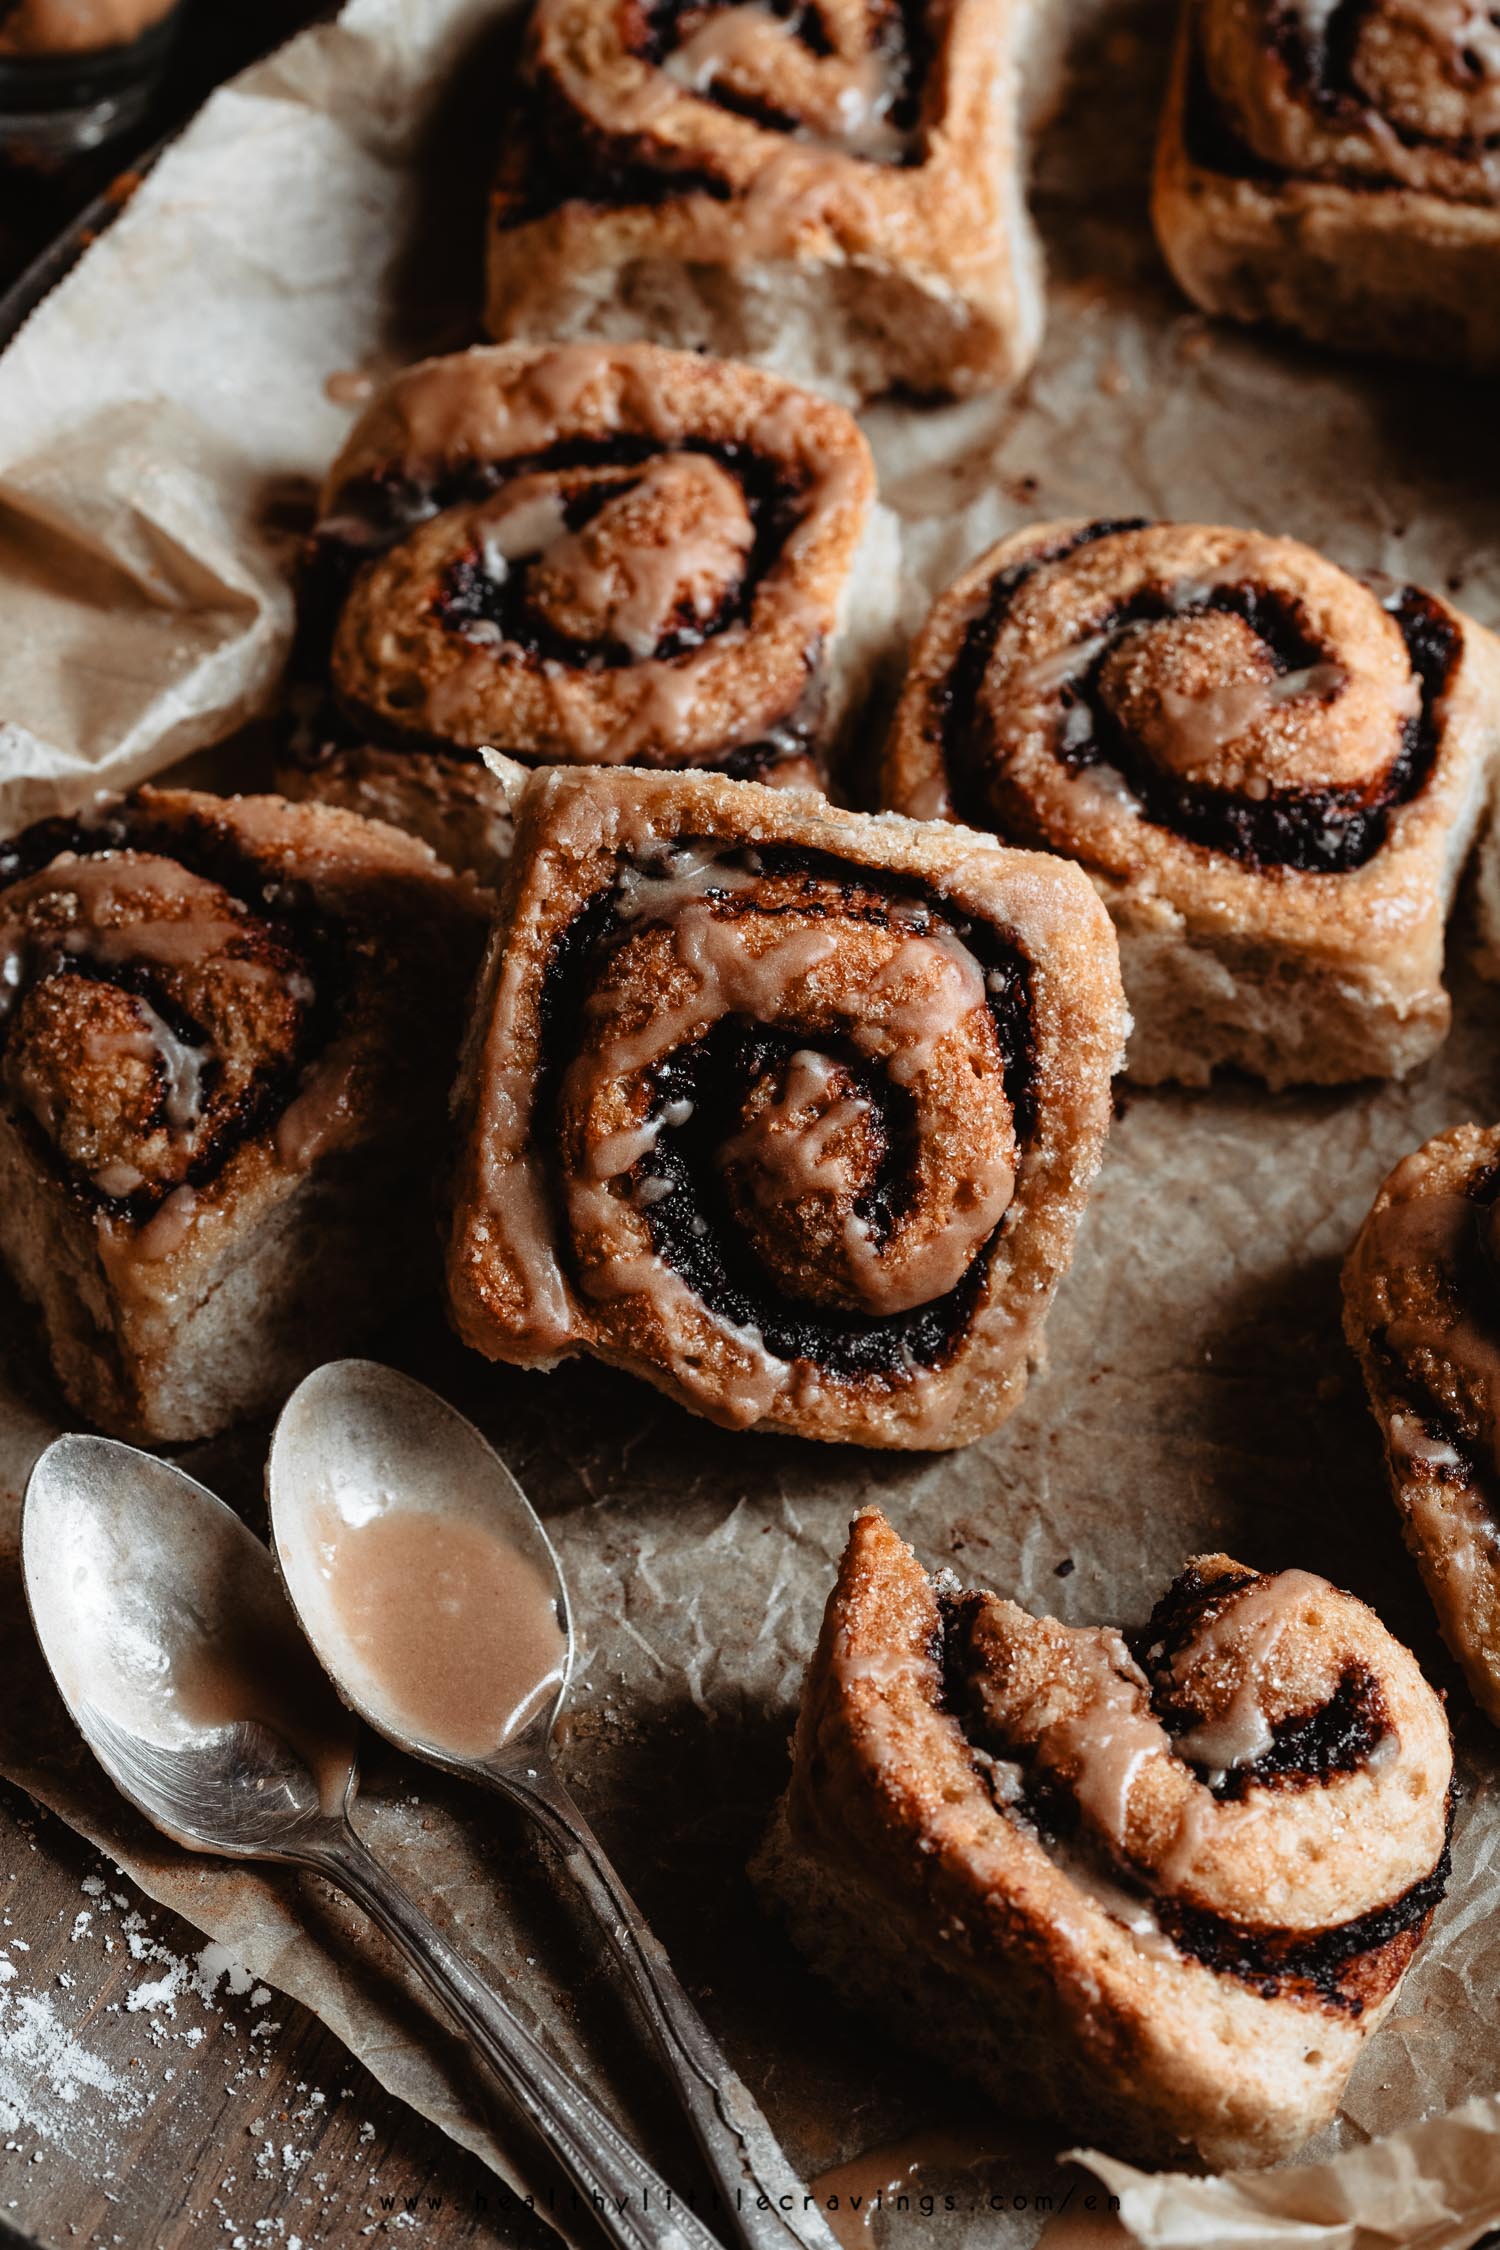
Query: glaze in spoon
(424, 1580)
(179, 1658)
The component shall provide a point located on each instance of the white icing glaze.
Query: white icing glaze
(1245, 1639)
(110, 899)
(1109, 1744)
(848, 97)
(1412, 1441)
(319, 1116)
(516, 1199)
(167, 1230)
(155, 1041)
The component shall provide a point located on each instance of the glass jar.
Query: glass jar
(74, 73)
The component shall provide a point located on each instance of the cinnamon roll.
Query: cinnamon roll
(227, 1030)
(587, 555)
(1422, 1313)
(1162, 1884)
(791, 1112)
(833, 190)
(1272, 770)
(1487, 888)
(1337, 171)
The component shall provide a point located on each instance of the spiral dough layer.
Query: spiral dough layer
(1174, 1877)
(593, 555)
(833, 188)
(224, 1029)
(152, 1020)
(792, 1092)
(1233, 689)
(1270, 768)
(1399, 92)
(1335, 169)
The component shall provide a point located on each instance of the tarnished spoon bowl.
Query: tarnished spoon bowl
(177, 1653)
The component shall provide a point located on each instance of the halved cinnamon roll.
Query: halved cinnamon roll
(1161, 1885)
(791, 1112)
(1337, 171)
(227, 1031)
(833, 189)
(1272, 770)
(1422, 1312)
(587, 555)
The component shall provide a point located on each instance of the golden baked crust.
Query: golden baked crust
(1343, 187)
(711, 166)
(1422, 1313)
(590, 554)
(1272, 772)
(1163, 1890)
(791, 1112)
(227, 1034)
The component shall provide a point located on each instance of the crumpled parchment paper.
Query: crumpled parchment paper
(1435, 2184)
(162, 419)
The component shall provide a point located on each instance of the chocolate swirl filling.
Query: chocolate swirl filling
(1349, 1730)
(162, 995)
(1330, 830)
(746, 1102)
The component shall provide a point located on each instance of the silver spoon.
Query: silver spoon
(421, 1574)
(177, 1654)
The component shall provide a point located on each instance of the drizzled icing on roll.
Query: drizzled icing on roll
(1162, 1884)
(831, 188)
(1262, 1767)
(792, 1097)
(150, 1017)
(197, 992)
(659, 98)
(1394, 92)
(638, 564)
(591, 554)
(1235, 690)
(227, 1029)
(839, 77)
(790, 1111)
(810, 1156)
(1212, 1765)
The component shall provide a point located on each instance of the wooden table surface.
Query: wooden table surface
(235, 2121)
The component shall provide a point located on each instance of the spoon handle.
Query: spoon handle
(762, 2201)
(631, 2203)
